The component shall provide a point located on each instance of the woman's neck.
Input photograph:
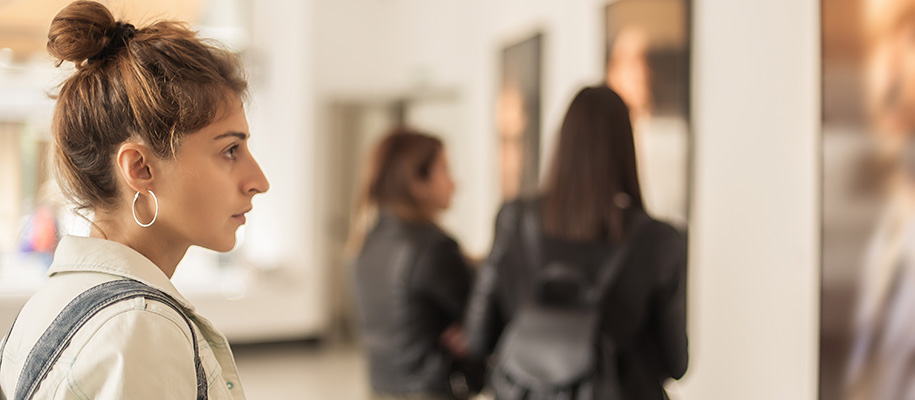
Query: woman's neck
(413, 215)
(150, 242)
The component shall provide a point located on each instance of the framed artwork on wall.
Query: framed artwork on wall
(646, 62)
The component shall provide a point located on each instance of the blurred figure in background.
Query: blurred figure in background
(411, 279)
(629, 74)
(882, 364)
(641, 70)
(589, 211)
(512, 123)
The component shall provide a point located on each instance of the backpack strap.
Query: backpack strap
(531, 231)
(532, 237)
(614, 264)
(80, 310)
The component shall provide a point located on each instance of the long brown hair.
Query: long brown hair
(592, 181)
(402, 157)
(156, 84)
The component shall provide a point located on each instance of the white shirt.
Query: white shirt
(134, 349)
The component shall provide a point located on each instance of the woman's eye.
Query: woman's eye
(230, 152)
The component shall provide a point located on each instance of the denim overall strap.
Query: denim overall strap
(3, 347)
(54, 340)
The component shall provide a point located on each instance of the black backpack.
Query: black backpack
(553, 347)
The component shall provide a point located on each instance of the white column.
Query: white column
(754, 263)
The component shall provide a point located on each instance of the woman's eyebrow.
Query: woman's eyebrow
(240, 135)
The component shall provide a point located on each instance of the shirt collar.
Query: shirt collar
(84, 254)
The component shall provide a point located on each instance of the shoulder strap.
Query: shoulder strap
(531, 232)
(532, 237)
(615, 262)
(57, 337)
(3, 347)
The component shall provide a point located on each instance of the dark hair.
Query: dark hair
(156, 84)
(592, 180)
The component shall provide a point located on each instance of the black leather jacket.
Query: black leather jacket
(644, 311)
(412, 282)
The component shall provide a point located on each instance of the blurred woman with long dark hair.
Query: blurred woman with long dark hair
(588, 209)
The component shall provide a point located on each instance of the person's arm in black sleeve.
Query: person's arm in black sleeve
(670, 310)
(484, 323)
(442, 275)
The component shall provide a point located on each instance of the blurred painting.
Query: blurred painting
(867, 335)
(518, 118)
(647, 64)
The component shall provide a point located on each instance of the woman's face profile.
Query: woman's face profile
(891, 81)
(436, 191)
(207, 189)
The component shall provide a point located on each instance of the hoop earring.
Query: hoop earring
(134, 209)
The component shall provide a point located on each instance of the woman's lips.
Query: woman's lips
(240, 217)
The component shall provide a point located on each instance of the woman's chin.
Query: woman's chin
(222, 246)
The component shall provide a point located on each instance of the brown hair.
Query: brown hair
(155, 84)
(592, 181)
(402, 157)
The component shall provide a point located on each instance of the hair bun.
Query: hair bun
(78, 32)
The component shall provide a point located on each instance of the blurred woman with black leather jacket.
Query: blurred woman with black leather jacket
(412, 281)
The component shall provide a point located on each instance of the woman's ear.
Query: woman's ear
(136, 165)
